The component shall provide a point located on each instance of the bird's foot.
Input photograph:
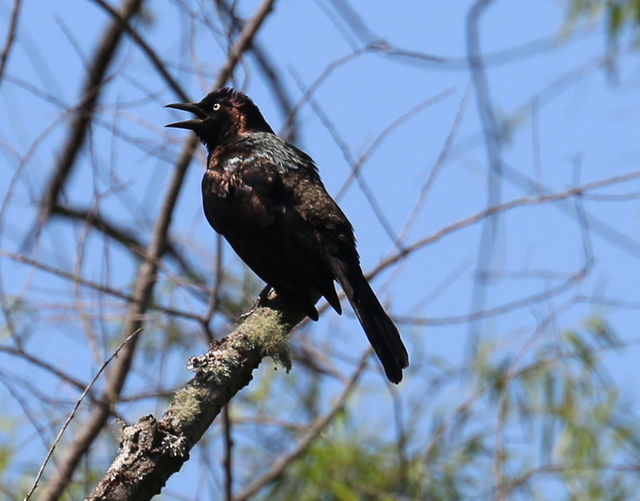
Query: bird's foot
(262, 297)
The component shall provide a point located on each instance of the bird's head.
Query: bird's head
(222, 115)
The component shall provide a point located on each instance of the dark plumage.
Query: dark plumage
(266, 198)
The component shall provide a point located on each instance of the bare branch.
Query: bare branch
(73, 413)
(11, 34)
(519, 202)
(314, 429)
(144, 46)
(227, 460)
(85, 108)
(492, 142)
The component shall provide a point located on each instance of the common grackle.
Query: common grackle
(266, 198)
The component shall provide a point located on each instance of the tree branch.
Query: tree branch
(152, 450)
(145, 282)
(84, 109)
(11, 35)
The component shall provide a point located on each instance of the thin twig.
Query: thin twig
(126, 237)
(227, 461)
(479, 216)
(11, 35)
(144, 46)
(314, 429)
(214, 300)
(380, 138)
(444, 152)
(73, 413)
(364, 187)
(20, 352)
(492, 143)
(95, 285)
(85, 109)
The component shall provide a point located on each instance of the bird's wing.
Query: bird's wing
(276, 200)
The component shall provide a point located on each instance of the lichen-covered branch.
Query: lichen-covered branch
(151, 450)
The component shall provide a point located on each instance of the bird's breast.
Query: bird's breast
(220, 183)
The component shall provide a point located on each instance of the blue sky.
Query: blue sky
(567, 117)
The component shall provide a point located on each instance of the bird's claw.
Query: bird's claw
(262, 297)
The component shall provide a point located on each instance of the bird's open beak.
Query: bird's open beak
(192, 124)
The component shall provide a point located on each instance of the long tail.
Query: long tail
(380, 330)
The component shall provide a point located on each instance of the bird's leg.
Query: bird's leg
(262, 297)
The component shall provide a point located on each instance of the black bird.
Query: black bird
(266, 198)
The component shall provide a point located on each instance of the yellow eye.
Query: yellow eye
(216, 106)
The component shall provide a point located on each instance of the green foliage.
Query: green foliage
(619, 14)
(338, 466)
(547, 424)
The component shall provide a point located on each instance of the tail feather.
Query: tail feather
(380, 330)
